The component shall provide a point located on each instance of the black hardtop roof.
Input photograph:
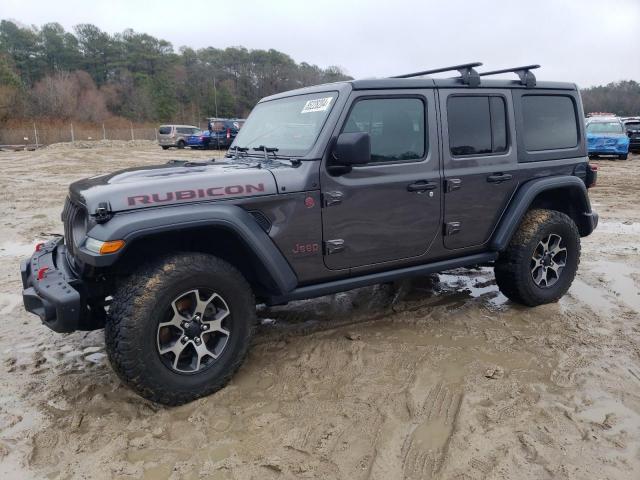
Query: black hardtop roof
(417, 80)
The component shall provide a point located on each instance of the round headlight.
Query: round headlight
(79, 227)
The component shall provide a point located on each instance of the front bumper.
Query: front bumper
(51, 288)
(604, 149)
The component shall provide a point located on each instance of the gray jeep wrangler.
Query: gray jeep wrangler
(325, 189)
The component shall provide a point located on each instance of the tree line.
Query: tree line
(621, 98)
(91, 75)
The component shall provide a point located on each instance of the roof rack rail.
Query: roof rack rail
(467, 72)
(527, 77)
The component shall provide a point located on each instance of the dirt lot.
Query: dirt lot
(440, 377)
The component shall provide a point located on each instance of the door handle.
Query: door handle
(499, 177)
(421, 186)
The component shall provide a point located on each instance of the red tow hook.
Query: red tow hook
(41, 272)
(39, 246)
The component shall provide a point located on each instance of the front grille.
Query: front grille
(69, 214)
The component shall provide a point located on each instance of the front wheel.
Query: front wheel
(623, 156)
(541, 260)
(181, 144)
(178, 329)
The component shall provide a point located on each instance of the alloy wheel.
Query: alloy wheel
(193, 332)
(548, 260)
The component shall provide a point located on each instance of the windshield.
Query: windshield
(632, 126)
(604, 127)
(290, 124)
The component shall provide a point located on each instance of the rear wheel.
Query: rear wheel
(541, 260)
(164, 147)
(178, 329)
(181, 144)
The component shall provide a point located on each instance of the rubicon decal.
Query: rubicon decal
(211, 192)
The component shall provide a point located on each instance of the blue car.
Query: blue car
(198, 139)
(606, 136)
(220, 134)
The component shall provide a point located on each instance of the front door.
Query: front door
(480, 163)
(388, 209)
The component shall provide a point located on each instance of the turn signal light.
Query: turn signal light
(103, 248)
(111, 246)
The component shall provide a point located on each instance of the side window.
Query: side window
(549, 122)
(477, 125)
(396, 126)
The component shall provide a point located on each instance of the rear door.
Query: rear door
(480, 162)
(389, 209)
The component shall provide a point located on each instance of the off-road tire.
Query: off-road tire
(513, 267)
(132, 325)
(181, 144)
(623, 157)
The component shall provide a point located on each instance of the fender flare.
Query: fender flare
(525, 196)
(130, 226)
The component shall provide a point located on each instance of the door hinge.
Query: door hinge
(451, 184)
(451, 228)
(333, 246)
(332, 198)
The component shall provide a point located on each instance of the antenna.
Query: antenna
(527, 77)
(467, 71)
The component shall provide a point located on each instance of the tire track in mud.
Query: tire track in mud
(429, 432)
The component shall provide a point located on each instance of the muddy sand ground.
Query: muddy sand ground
(440, 377)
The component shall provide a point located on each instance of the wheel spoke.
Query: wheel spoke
(202, 351)
(176, 320)
(201, 305)
(216, 326)
(176, 348)
(537, 274)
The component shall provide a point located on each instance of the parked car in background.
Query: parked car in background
(222, 131)
(632, 128)
(199, 139)
(175, 135)
(606, 136)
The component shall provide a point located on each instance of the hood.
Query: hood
(173, 182)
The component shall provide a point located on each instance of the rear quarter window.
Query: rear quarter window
(164, 130)
(187, 130)
(549, 122)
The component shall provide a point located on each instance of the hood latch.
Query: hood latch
(103, 212)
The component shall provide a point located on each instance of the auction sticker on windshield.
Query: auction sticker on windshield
(317, 105)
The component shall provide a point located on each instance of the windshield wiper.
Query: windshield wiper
(237, 149)
(267, 151)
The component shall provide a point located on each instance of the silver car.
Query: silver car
(175, 135)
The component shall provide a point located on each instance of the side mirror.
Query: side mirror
(352, 149)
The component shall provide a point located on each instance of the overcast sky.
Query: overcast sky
(590, 42)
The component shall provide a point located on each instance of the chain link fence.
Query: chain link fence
(41, 134)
